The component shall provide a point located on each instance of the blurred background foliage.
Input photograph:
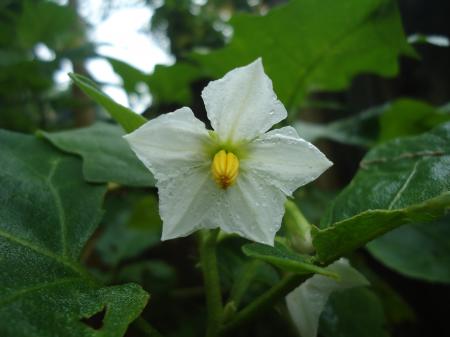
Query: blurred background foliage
(349, 80)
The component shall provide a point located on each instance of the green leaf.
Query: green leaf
(132, 225)
(429, 243)
(346, 235)
(235, 277)
(403, 181)
(300, 53)
(130, 75)
(360, 130)
(47, 213)
(154, 275)
(106, 155)
(46, 22)
(172, 84)
(285, 259)
(402, 117)
(353, 313)
(128, 119)
(406, 117)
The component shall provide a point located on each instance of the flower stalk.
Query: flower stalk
(298, 229)
(208, 260)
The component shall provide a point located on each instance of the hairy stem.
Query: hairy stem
(213, 293)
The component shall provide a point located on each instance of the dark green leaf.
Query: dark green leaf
(131, 226)
(358, 130)
(128, 119)
(353, 313)
(46, 22)
(47, 213)
(403, 181)
(301, 53)
(402, 117)
(284, 258)
(406, 117)
(346, 235)
(154, 275)
(106, 155)
(428, 243)
(233, 264)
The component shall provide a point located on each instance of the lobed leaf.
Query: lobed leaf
(47, 213)
(300, 53)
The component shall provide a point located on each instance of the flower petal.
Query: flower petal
(251, 208)
(285, 160)
(306, 303)
(170, 143)
(242, 104)
(185, 201)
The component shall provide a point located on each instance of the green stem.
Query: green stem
(213, 293)
(146, 328)
(243, 282)
(263, 302)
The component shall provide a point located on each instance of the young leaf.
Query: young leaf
(47, 213)
(128, 119)
(284, 259)
(406, 180)
(106, 155)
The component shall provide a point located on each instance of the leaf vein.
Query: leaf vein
(59, 206)
(404, 186)
(42, 251)
(37, 287)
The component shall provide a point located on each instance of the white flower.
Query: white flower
(235, 177)
(306, 302)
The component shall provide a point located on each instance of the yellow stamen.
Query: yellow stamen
(225, 168)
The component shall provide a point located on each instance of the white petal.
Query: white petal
(170, 143)
(242, 104)
(285, 160)
(185, 202)
(306, 303)
(251, 208)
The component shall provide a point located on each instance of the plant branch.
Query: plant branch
(263, 302)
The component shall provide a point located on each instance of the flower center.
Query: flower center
(225, 168)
